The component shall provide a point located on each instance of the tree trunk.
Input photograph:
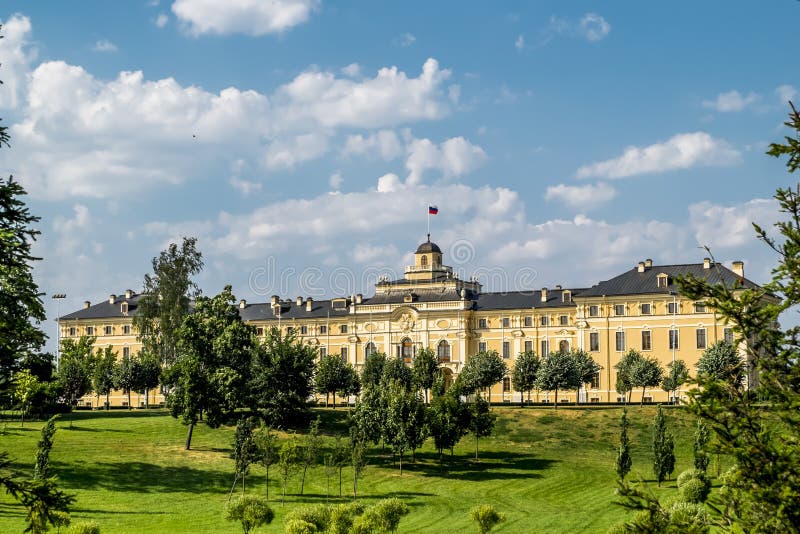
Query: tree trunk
(146, 398)
(108, 402)
(283, 499)
(303, 480)
(401, 463)
(235, 480)
(327, 396)
(129, 400)
(355, 483)
(555, 405)
(426, 396)
(189, 437)
(630, 394)
(266, 482)
(643, 390)
(334, 399)
(340, 481)
(476, 446)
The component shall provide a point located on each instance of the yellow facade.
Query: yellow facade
(432, 307)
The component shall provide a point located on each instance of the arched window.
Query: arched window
(443, 351)
(369, 349)
(563, 346)
(407, 349)
(423, 261)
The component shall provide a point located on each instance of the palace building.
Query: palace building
(432, 307)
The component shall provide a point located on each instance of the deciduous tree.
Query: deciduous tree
(525, 370)
(676, 377)
(482, 371)
(481, 420)
(646, 373)
(426, 369)
(103, 373)
(559, 371)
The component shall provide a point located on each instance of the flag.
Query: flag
(433, 210)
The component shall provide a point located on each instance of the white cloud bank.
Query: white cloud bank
(582, 197)
(731, 101)
(250, 17)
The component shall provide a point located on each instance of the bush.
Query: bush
(319, 516)
(688, 514)
(689, 474)
(87, 527)
(694, 491)
(342, 517)
(251, 511)
(381, 517)
(296, 525)
(486, 517)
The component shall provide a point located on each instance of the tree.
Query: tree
(310, 449)
(125, 376)
(75, 368)
(358, 457)
(625, 368)
(41, 470)
(333, 375)
(103, 373)
(250, 511)
(288, 461)
(426, 369)
(340, 458)
(587, 367)
(623, 462)
(646, 373)
(245, 452)
(721, 362)
(370, 413)
(267, 445)
(481, 421)
(26, 386)
(701, 439)
(677, 376)
(382, 517)
(663, 448)
(401, 417)
(166, 297)
(372, 371)
(483, 371)
(447, 421)
(486, 517)
(395, 371)
(282, 380)
(525, 369)
(559, 371)
(147, 373)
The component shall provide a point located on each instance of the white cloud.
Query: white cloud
(161, 20)
(454, 93)
(583, 197)
(104, 45)
(593, 27)
(731, 101)
(250, 17)
(519, 44)
(785, 93)
(335, 180)
(407, 39)
(682, 151)
(720, 227)
(366, 253)
(245, 187)
(352, 70)
(384, 143)
(16, 56)
(454, 157)
(286, 153)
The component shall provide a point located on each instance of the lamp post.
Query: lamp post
(58, 297)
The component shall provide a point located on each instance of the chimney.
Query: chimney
(359, 298)
(640, 268)
(309, 303)
(275, 299)
(706, 263)
(648, 263)
(86, 304)
(544, 294)
(299, 301)
(738, 268)
(558, 287)
(242, 304)
(128, 293)
(112, 299)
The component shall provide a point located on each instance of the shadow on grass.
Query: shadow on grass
(76, 428)
(141, 477)
(490, 466)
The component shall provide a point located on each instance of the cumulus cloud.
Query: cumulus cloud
(244, 187)
(407, 39)
(104, 45)
(582, 197)
(352, 70)
(250, 17)
(161, 20)
(682, 151)
(593, 27)
(384, 143)
(335, 180)
(731, 101)
(17, 55)
(785, 93)
(719, 227)
(453, 157)
(286, 153)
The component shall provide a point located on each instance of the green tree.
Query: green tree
(103, 373)
(358, 457)
(333, 374)
(288, 461)
(482, 371)
(125, 376)
(587, 367)
(250, 511)
(268, 451)
(26, 386)
(647, 373)
(448, 421)
(676, 377)
(372, 372)
(310, 448)
(722, 362)
(625, 369)
(340, 458)
(663, 448)
(559, 371)
(481, 421)
(395, 371)
(525, 371)
(370, 413)
(486, 517)
(245, 451)
(623, 462)
(382, 517)
(75, 368)
(701, 439)
(166, 297)
(401, 416)
(425, 371)
(41, 470)
(147, 375)
(283, 380)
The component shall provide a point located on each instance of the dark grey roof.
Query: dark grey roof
(105, 310)
(635, 283)
(290, 310)
(428, 247)
(514, 300)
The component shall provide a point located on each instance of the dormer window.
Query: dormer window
(566, 296)
(662, 280)
(123, 308)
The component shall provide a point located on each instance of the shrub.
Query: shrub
(381, 517)
(342, 517)
(689, 474)
(251, 511)
(319, 516)
(694, 491)
(296, 525)
(486, 517)
(688, 514)
(87, 527)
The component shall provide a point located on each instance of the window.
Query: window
(126, 352)
(304, 330)
(369, 349)
(481, 346)
(343, 329)
(323, 329)
(594, 341)
(89, 330)
(544, 320)
(443, 351)
(563, 320)
(662, 281)
(124, 308)
(596, 380)
(126, 329)
(673, 339)
(343, 352)
(700, 307)
(72, 331)
(107, 330)
(506, 383)
(619, 310)
(647, 341)
(323, 352)
(481, 323)
(260, 331)
(529, 346)
(506, 349)
(700, 334)
(545, 348)
(672, 308)
(529, 321)
(727, 334)
(290, 330)
(407, 349)
(506, 322)
(423, 261)
(563, 346)
(620, 341)
(594, 311)
(647, 309)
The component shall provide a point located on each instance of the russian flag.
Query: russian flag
(433, 210)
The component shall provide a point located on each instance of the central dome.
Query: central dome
(427, 247)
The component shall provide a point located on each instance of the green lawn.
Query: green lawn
(548, 471)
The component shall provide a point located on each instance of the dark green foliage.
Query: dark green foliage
(559, 371)
(481, 420)
(380, 518)
(525, 371)
(486, 517)
(147, 371)
(372, 372)
(701, 439)
(370, 413)
(652, 516)
(425, 371)
(663, 448)
(125, 376)
(623, 461)
(250, 511)
(245, 450)
(318, 516)
(722, 362)
(482, 371)
(103, 373)
(283, 380)
(448, 421)
(676, 377)
(395, 371)
(342, 517)
(358, 457)
(646, 373)
(694, 486)
(625, 369)
(404, 428)
(334, 374)
(166, 297)
(75, 369)
(41, 470)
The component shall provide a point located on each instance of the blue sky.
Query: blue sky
(301, 140)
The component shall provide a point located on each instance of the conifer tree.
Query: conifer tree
(623, 462)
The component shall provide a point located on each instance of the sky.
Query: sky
(301, 141)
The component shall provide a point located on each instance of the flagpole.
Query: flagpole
(429, 221)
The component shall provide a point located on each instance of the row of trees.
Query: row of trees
(558, 371)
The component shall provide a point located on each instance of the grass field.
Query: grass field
(547, 471)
